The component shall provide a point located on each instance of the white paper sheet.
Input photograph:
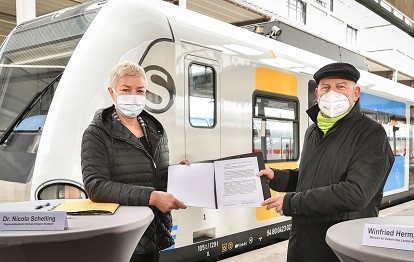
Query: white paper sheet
(235, 180)
(237, 184)
(193, 184)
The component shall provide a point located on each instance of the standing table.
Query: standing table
(105, 238)
(345, 239)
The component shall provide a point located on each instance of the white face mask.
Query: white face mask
(333, 104)
(130, 105)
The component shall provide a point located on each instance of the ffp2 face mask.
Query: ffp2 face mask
(333, 104)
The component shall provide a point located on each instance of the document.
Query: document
(86, 207)
(225, 183)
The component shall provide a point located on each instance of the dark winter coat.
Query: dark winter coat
(116, 167)
(341, 177)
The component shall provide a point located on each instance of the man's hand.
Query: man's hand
(274, 202)
(266, 172)
(165, 201)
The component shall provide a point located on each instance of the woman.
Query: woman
(125, 158)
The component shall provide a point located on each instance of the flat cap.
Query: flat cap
(342, 70)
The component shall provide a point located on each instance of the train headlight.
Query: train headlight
(60, 191)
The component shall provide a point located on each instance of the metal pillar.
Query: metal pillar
(183, 3)
(25, 10)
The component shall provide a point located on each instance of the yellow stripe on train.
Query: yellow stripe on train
(281, 83)
(276, 82)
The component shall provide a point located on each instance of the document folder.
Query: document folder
(86, 207)
(229, 182)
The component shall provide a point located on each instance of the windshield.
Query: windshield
(34, 54)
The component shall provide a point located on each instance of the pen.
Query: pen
(42, 206)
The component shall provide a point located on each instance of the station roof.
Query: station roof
(225, 10)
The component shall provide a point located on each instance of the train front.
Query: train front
(53, 73)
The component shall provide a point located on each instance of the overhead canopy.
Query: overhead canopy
(227, 11)
(237, 12)
(391, 14)
(224, 10)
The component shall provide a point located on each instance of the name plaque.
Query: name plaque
(389, 236)
(33, 220)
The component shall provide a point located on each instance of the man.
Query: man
(345, 161)
(125, 158)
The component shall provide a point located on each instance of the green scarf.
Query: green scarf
(325, 123)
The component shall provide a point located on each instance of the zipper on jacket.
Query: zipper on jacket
(141, 148)
(146, 152)
(155, 152)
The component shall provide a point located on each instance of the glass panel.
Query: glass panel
(397, 131)
(297, 11)
(321, 3)
(36, 117)
(275, 108)
(202, 96)
(396, 128)
(279, 140)
(275, 129)
(351, 35)
(23, 142)
(411, 147)
(373, 115)
(34, 54)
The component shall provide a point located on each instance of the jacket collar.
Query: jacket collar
(103, 119)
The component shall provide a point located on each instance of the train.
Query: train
(218, 89)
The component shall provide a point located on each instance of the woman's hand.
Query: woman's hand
(266, 172)
(165, 201)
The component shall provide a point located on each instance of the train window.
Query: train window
(411, 146)
(351, 35)
(33, 56)
(322, 3)
(396, 128)
(276, 128)
(297, 11)
(397, 131)
(202, 89)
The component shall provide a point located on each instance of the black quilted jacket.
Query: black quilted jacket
(116, 167)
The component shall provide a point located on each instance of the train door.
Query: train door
(202, 117)
(201, 142)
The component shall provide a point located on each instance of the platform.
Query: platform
(278, 252)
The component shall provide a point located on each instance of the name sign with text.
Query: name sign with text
(36, 220)
(389, 236)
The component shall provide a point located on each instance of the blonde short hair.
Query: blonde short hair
(126, 68)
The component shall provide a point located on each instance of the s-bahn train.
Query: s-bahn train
(218, 89)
